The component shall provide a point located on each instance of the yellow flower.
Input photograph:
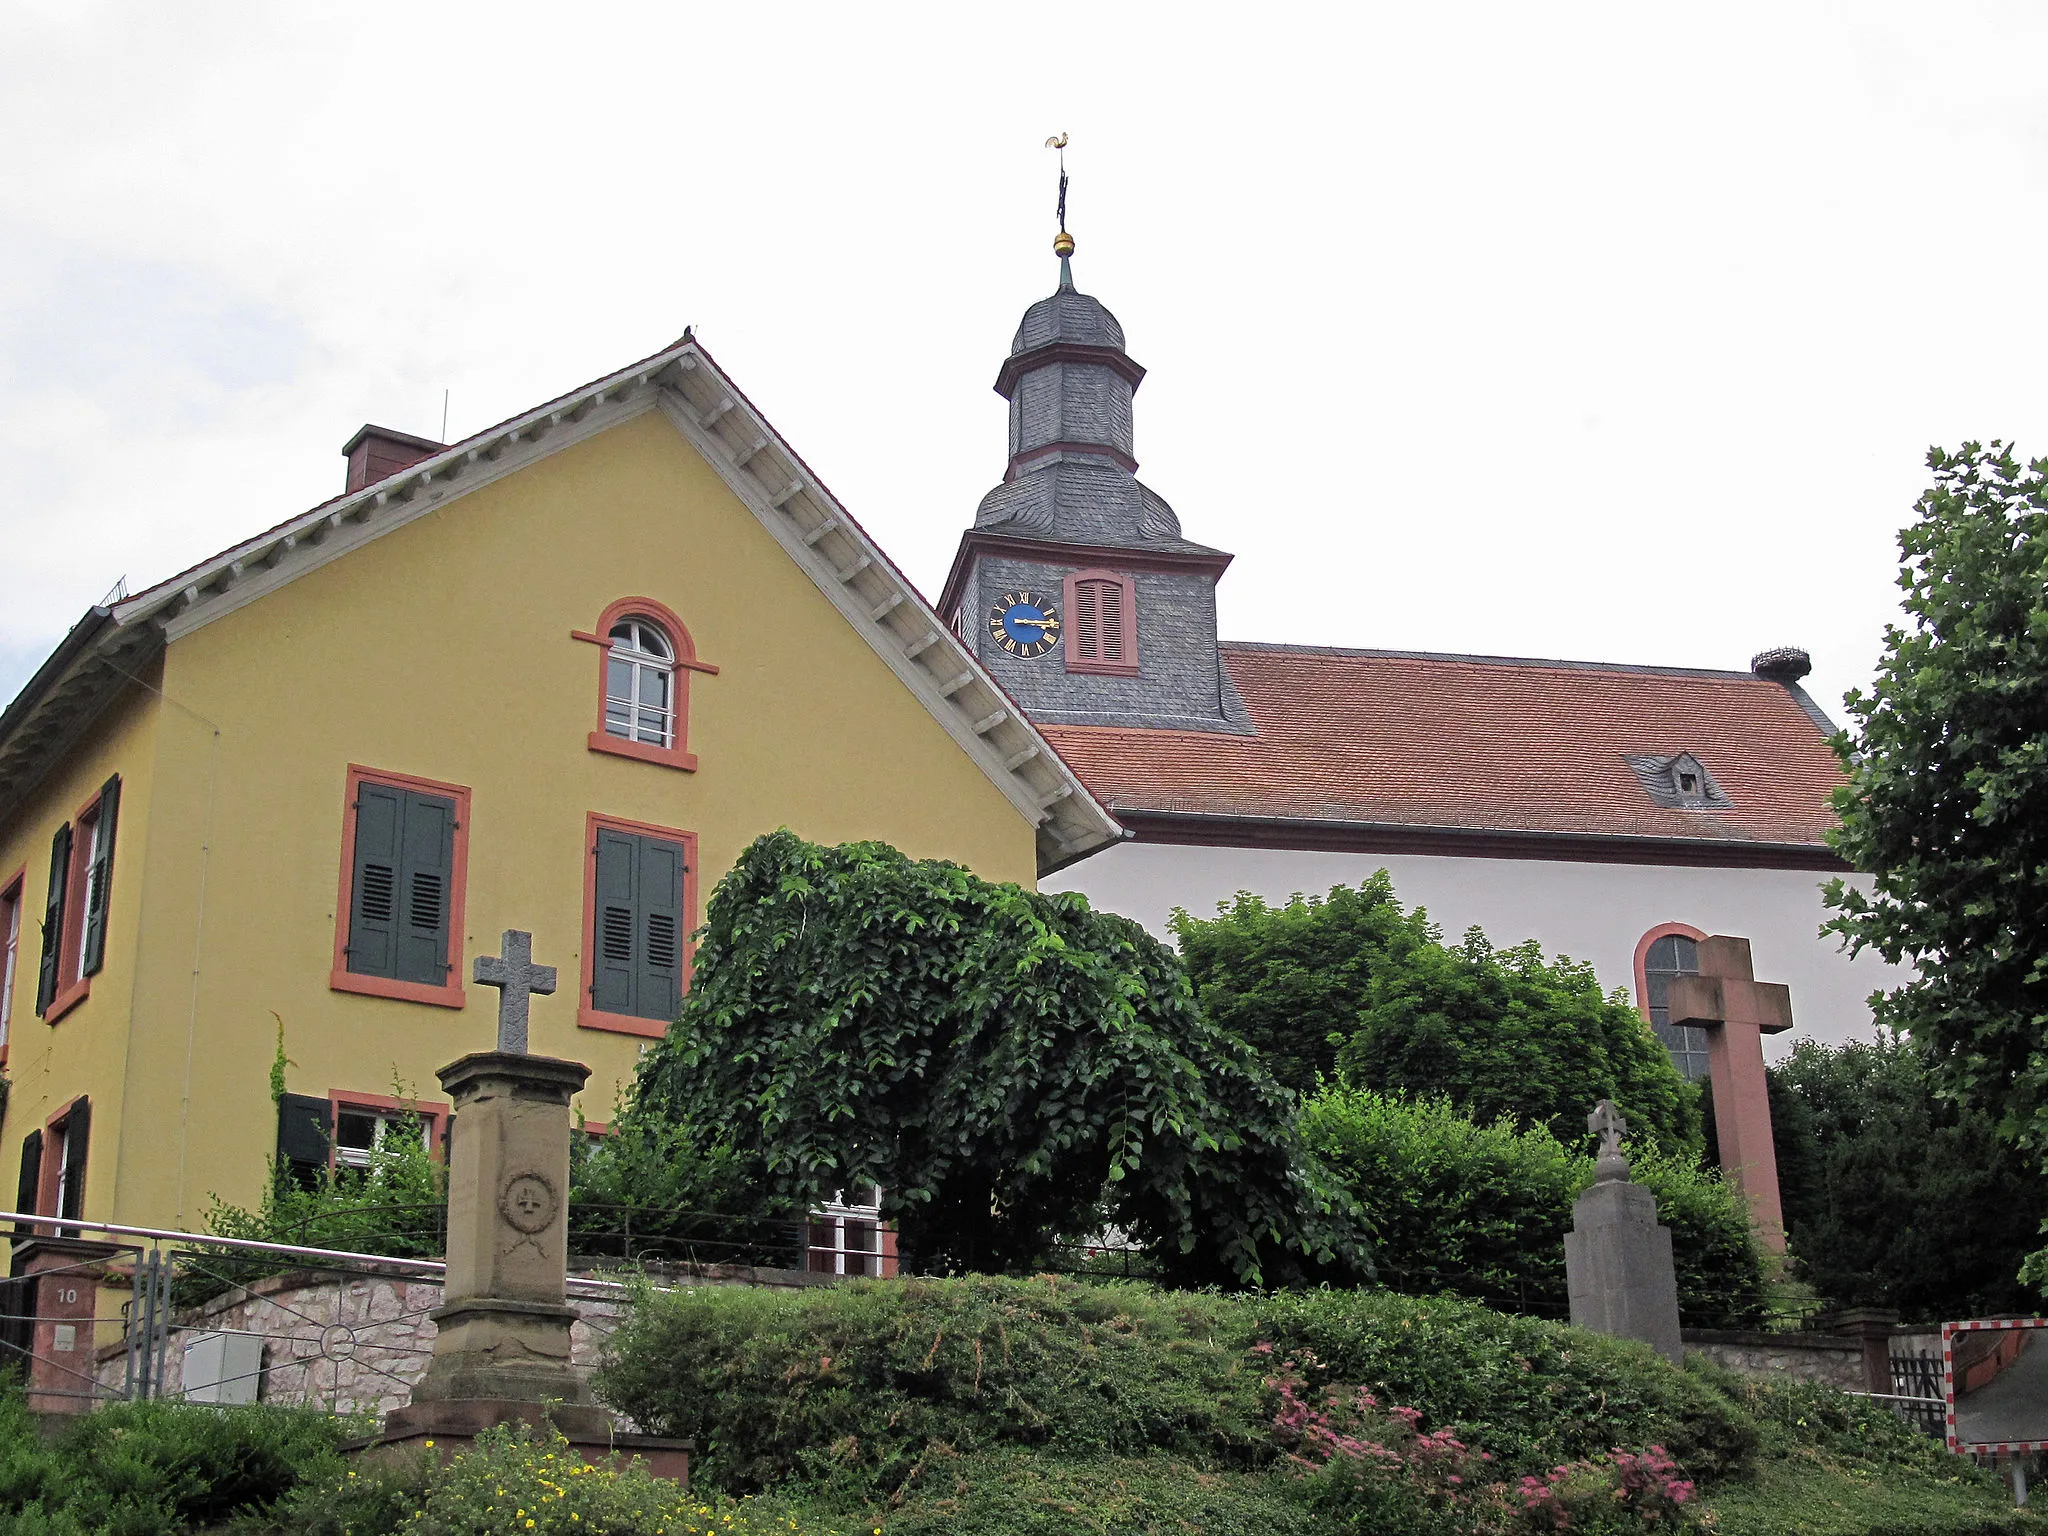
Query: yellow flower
(430, 1445)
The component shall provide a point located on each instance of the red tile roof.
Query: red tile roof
(1482, 743)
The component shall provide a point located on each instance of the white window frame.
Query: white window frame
(842, 1216)
(651, 725)
(93, 869)
(386, 1120)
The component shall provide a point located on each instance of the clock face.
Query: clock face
(1025, 623)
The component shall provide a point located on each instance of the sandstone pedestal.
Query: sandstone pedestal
(503, 1347)
(1617, 1259)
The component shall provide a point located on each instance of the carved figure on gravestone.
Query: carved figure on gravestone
(516, 977)
(1606, 1123)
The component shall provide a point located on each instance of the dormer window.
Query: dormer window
(1679, 782)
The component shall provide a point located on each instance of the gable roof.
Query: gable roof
(682, 382)
(1477, 754)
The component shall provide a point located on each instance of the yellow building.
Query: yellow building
(552, 678)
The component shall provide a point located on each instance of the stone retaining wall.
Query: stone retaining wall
(1830, 1359)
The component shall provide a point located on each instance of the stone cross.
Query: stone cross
(516, 977)
(1606, 1123)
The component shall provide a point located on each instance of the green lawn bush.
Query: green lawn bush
(1481, 1210)
(143, 1469)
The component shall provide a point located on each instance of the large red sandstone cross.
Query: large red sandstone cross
(1737, 1011)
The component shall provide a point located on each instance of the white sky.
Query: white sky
(1612, 332)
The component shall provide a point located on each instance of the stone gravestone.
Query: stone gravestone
(1617, 1259)
(502, 1350)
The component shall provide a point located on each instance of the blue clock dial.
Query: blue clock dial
(1024, 623)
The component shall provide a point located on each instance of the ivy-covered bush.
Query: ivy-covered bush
(1481, 1210)
(1353, 983)
(1010, 1068)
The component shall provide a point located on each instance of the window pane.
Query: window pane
(618, 678)
(653, 688)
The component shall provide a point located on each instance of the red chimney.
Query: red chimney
(376, 452)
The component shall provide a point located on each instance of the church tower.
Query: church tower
(1075, 586)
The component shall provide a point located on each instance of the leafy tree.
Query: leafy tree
(1894, 1197)
(1356, 983)
(1011, 1068)
(1947, 801)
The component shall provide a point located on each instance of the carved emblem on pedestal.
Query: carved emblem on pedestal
(528, 1203)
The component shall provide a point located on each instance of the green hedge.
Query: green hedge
(866, 1380)
(1481, 1210)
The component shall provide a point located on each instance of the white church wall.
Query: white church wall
(1592, 912)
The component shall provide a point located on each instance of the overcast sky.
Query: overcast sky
(1610, 332)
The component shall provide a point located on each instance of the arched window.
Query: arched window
(1668, 952)
(1102, 623)
(644, 668)
(639, 683)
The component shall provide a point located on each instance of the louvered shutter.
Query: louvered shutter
(77, 1137)
(659, 981)
(614, 965)
(99, 878)
(1088, 620)
(53, 918)
(1112, 620)
(373, 902)
(426, 871)
(304, 1133)
(30, 1183)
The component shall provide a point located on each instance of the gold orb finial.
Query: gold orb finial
(1063, 244)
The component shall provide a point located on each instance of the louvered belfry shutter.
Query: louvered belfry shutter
(53, 918)
(99, 879)
(77, 1138)
(404, 874)
(427, 877)
(659, 989)
(613, 969)
(1088, 620)
(1112, 621)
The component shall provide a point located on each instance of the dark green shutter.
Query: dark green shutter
(373, 899)
(53, 918)
(304, 1135)
(613, 967)
(426, 869)
(637, 948)
(31, 1180)
(77, 1137)
(659, 984)
(99, 879)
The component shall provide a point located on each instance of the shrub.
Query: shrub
(140, 1469)
(1481, 1210)
(518, 1480)
(1352, 984)
(859, 1383)
(1009, 1067)
(1531, 1392)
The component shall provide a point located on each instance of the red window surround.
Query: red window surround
(433, 1115)
(588, 1017)
(72, 987)
(1102, 623)
(12, 937)
(341, 978)
(686, 662)
(1661, 931)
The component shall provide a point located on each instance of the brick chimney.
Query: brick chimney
(376, 452)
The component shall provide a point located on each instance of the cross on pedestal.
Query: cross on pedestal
(1606, 1123)
(516, 977)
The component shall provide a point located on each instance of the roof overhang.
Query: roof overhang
(1014, 368)
(763, 471)
(1331, 835)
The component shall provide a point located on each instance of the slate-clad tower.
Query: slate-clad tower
(1112, 614)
